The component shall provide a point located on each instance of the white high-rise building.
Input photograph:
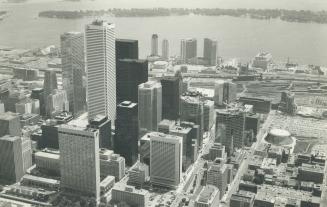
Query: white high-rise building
(154, 45)
(150, 105)
(79, 160)
(165, 49)
(165, 159)
(217, 176)
(101, 69)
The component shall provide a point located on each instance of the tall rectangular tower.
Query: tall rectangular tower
(130, 74)
(127, 49)
(165, 49)
(79, 159)
(73, 68)
(127, 132)
(154, 45)
(150, 105)
(165, 159)
(101, 69)
(210, 51)
(188, 49)
(11, 162)
(170, 97)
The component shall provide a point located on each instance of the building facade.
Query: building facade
(101, 69)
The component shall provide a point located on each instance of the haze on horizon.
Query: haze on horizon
(257, 4)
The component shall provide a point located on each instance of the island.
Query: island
(303, 16)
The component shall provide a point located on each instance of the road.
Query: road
(244, 165)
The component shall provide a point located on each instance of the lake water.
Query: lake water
(238, 37)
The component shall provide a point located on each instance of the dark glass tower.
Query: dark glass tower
(127, 132)
(130, 74)
(103, 124)
(170, 97)
(126, 48)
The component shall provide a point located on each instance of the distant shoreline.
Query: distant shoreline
(266, 14)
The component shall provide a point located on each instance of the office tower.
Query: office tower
(104, 126)
(150, 105)
(38, 93)
(210, 51)
(101, 69)
(188, 49)
(9, 124)
(49, 135)
(208, 115)
(79, 160)
(262, 60)
(50, 82)
(217, 176)
(113, 165)
(130, 195)
(165, 159)
(144, 149)
(192, 110)
(154, 45)
(208, 197)
(170, 97)
(225, 92)
(165, 49)
(127, 132)
(56, 103)
(127, 49)
(130, 74)
(11, 162)
(138, 175)
(233, 122)
(287, 103)
(48, 162)
(26, 153)
(73, 68)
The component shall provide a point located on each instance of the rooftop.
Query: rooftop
(41, 179)
(47, 155)
(130, 189)
(207, 194)
(8, 116)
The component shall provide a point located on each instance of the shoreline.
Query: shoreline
(319, 17)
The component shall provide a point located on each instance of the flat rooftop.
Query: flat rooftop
(8, 116)
(207, 194)
(47, 155)
(130, 189)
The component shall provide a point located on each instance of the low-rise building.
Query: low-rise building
(208, 197)
(130, 195)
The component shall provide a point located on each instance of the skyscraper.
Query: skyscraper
(210, 51)
(225, 92)
(165, 159)
(56, 103)
(50, 82)
(127, 49)
(217, 176)
(154, 45)
(165, 49)
(234, 127)
(150, 105)
(9, 124)
(102, 123)
(38, 93)
(188, 49)
(73, 68)
(79, 160)
(170, 97)
(130, 74)
(11, 162)
(101, 69)
(192, 110)
(127, 132)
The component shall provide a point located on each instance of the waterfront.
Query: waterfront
(238, 37)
